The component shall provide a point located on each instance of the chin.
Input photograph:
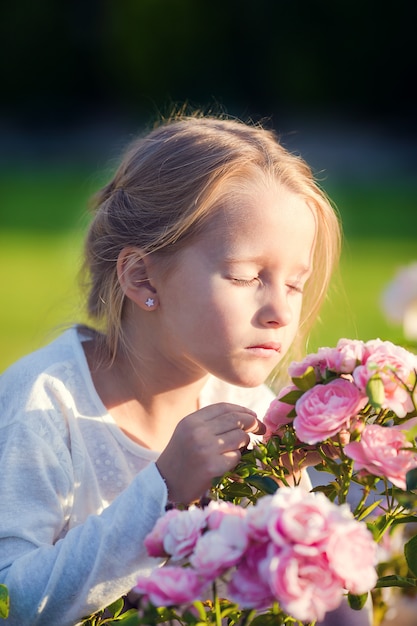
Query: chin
(245, 375)
(248, 383)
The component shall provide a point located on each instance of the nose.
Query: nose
(276, 310)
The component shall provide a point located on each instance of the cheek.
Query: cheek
(293, 327)
(205, 312)
(291, 332)
(222, 317)
(297, 312)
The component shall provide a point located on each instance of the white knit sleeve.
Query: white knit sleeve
(53, 580)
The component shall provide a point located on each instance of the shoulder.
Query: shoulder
(256, 398)
(38, 382)
(37, 409)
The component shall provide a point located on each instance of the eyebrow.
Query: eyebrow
(302, 269)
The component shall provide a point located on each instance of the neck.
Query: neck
(145, 397)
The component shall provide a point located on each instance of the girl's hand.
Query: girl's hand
(205, 444)
(309, 456)
(331, 450)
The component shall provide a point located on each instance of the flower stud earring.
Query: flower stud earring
(150, 302)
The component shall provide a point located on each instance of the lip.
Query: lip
(266, 349)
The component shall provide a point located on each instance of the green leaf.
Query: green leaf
(369, 510)
(188, 618)
(238, 490)
(289, 439)
(404, 519)
(265, 620)
(199, 606)
(411, 433)
(152, 615)
(242, 471)
(130, 618)
(264, 483)
(321, 467)
(4, 602)
(230, 611)
(407, 499)
(291, 397)
(116, 607)
(378, 525)
(395, 581)
(411, 479)
(375, 391)
(306, 381)
(357, 602)
(328, 490)
(410, 552)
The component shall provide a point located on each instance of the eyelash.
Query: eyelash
(243, 282)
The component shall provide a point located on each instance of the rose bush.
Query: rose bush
(291, 558)
(325, 410)
(170, 586)
(264, 550)
(383, 452)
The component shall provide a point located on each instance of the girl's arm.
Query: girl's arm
(54, 580)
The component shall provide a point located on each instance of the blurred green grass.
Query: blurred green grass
(353, 307)
(39, 289)
(44, 215)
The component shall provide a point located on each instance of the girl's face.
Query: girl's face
(231, 303)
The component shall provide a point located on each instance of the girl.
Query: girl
(208, 258)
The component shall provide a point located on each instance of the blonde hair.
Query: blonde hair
(166, 189)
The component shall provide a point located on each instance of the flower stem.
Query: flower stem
(216, 603)
(365, 493)
(346, 479)
(247, 617)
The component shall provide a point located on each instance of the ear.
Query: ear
(132, 272)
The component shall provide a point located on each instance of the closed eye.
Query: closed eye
(295, 288)
(245, 282)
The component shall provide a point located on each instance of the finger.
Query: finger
(213, 410)
(260, 428)
(247, 423)
(232, 440)
(225, 417)
(231, 459)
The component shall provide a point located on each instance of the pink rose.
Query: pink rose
(381, 452)
(318, 551)
(325, 410)
(304, 585)
(300, 518)
(348, 354)
(276, 417)
(352, 554)
(258, 517)
(395, 367)
(247, 587)
(154, 541)
(219, 549)
(183, 531)
(296, 369)
(342, 359)
(169, 586)
(218, 509)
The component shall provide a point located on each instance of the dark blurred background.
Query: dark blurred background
(76, 74)
(78, 79)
